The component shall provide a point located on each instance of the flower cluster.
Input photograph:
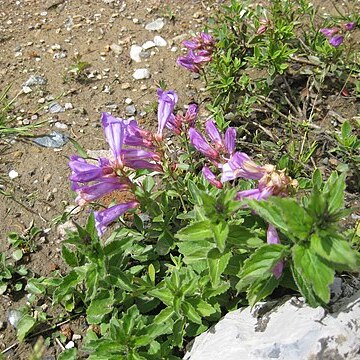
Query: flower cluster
(131, 147)
(235, 164)
(200, 51)
(336, 35)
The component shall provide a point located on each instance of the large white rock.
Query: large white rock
(289, 331)
(140, 74)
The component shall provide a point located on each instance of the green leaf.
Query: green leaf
(34, 286)
(163, 294)
(314, 271)
(191, 313)
(24, 326)
(151, 272)
(201, 306)
(195, 193)
(200, 230)
(164, 315)
(68, 354)
(260, 264)
(335, 186)
(148, 183)
(80, 150)
(178, 332)
(99, 307)
(336, 251)
(260, 289)
(286, 215)
(217, 263)
(17, 254)
(221, 232)
(69, 256)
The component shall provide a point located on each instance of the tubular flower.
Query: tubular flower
(106, 217)
(334, 38)
(200, 49)
(273, 238)
(211, 177)
(200, 144)
(179, 123)
(167, 101)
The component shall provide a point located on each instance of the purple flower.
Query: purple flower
(200, 144)
(329, 32)
(105, 217)
(134, 136)
(93, 192)
(230, 140)
(349, 26)
(114, 130)
(336, 40)
(255, 194)
(188, 62)
(240, 165)
(82, 171)
(211, 178)
(273, 238)
(167, 101)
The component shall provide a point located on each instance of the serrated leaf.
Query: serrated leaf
(164, 315)
(261, 289)
(195, 193)
(69, 256)
(200, 230)
(336, 190)
(201, 306)
(217, 263)
(99, 307)
(286, 215)
(24, 326)
(336, 251)
(260, 264)
(314, 271)
(191, 313)
(163, 294)
(221, 232)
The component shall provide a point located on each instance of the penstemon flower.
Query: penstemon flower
(200, 51)
(335, 39)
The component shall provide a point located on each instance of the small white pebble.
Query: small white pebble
(13, 174)
(70, 345)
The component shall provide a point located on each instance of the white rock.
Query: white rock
(13, 174)
(26, 89)
(148, 45)
(70, 345)
(288, 331)
(128, 101)
(68, 106)
(117, 49)
(135, 51)
(76, 337)
(140, 74)
(159, 41)
(156, 25)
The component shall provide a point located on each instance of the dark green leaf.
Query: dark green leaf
(200, 230)
(69, 256)
(221, 232)
(191, 313)
(260, 264)
(260, 289)
(164, 315)
(80, 150)
(163, 294)
(99, 307)
(195, 193)
(314, 271)
(336, 251)
(217, 263)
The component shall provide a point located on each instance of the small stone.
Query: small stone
(47, 178)
(26, 89)
(135, 51)
(334, 162)
(143, 87)
(70, 345)
(148, 45)
(76, 337)
(128, 101)
(68, 106)
(55, 108)
(159, 41)
(156, 25)
(135, 20)
(125, 86)
(60, 125)
(130, 110)
(41, 100)
(35, 80)
(34, 117)
(13, 174)
(26, 122)
(117, 49)
(140, 74)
